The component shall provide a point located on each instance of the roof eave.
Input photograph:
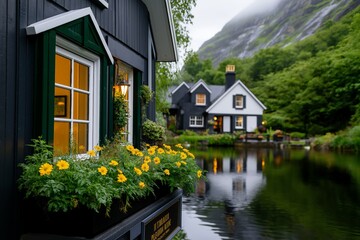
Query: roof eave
(162, 26)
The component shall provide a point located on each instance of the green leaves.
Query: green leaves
(94, 182)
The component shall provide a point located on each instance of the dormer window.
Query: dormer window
(239, 101)
(200, 99)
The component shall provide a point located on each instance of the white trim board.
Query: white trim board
(66, 17)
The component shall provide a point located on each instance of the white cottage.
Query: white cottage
(222, 109)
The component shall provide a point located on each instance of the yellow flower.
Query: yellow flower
(119, 171)
(140, 154)
(97, 148)
(183, 156)
(62, 165)
(191, 155)
(178, 164)
(113, 163)
(199, 173)
(45, 169)
(156, 160)
(103, 170)
(183, 162)
(141, 185)
(167, 172)
(160, 151)
(145, 167)
(91, 153)
(147, 159)
(130, 147)
(121, 178)
(179, 146)
(151, 151)
(138, 171)
(166, 146)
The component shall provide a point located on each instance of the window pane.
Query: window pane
(81, 106)
(61, 137)
(200, 99)
(81, 76)
(62, 103)
(239, 121)
(62, 70)
(239, 101)
(80, 136)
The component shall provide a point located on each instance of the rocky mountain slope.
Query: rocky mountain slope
(283, 23)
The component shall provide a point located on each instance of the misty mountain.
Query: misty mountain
(272, 22)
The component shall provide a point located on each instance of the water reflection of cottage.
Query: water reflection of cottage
(233, 182)
(234, 179)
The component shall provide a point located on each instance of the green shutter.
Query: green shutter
(137, 109)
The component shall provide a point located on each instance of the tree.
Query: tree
(166, 72)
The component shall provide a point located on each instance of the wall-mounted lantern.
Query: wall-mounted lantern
(122, 86)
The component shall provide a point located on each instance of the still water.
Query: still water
(274, 194)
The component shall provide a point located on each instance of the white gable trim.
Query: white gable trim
(229, 90)
(198, 84)
(61, 19)
(178, 87)
(103, 3)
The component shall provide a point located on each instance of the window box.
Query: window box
(82, 197)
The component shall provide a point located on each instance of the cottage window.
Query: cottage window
(76, 102)
(239, 101)
(200, 99)
(239, 122)
(196, 121)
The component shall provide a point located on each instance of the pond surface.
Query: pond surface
(274, 194)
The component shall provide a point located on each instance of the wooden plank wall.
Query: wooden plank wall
(126, 21)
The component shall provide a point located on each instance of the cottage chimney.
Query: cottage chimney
(229, 76)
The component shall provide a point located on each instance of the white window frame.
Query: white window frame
(197, 98)
(236, 122)
(75, 52)
(195, 120)
(237, 102)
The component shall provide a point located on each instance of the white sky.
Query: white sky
(210, 16)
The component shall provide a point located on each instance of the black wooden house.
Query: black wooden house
(60, 60)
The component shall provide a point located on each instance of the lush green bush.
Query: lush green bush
(119, 172)
(214, 139)
(152, 132)
(222, 139)
(298, 135)
(344, 140)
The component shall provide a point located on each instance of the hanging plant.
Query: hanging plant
(146, 94)
(121, 112)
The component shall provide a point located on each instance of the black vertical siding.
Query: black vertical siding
(8, 119)
(125, 20)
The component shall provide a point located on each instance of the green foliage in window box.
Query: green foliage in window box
(94, 180)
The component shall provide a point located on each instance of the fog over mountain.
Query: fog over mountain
(269, 22)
